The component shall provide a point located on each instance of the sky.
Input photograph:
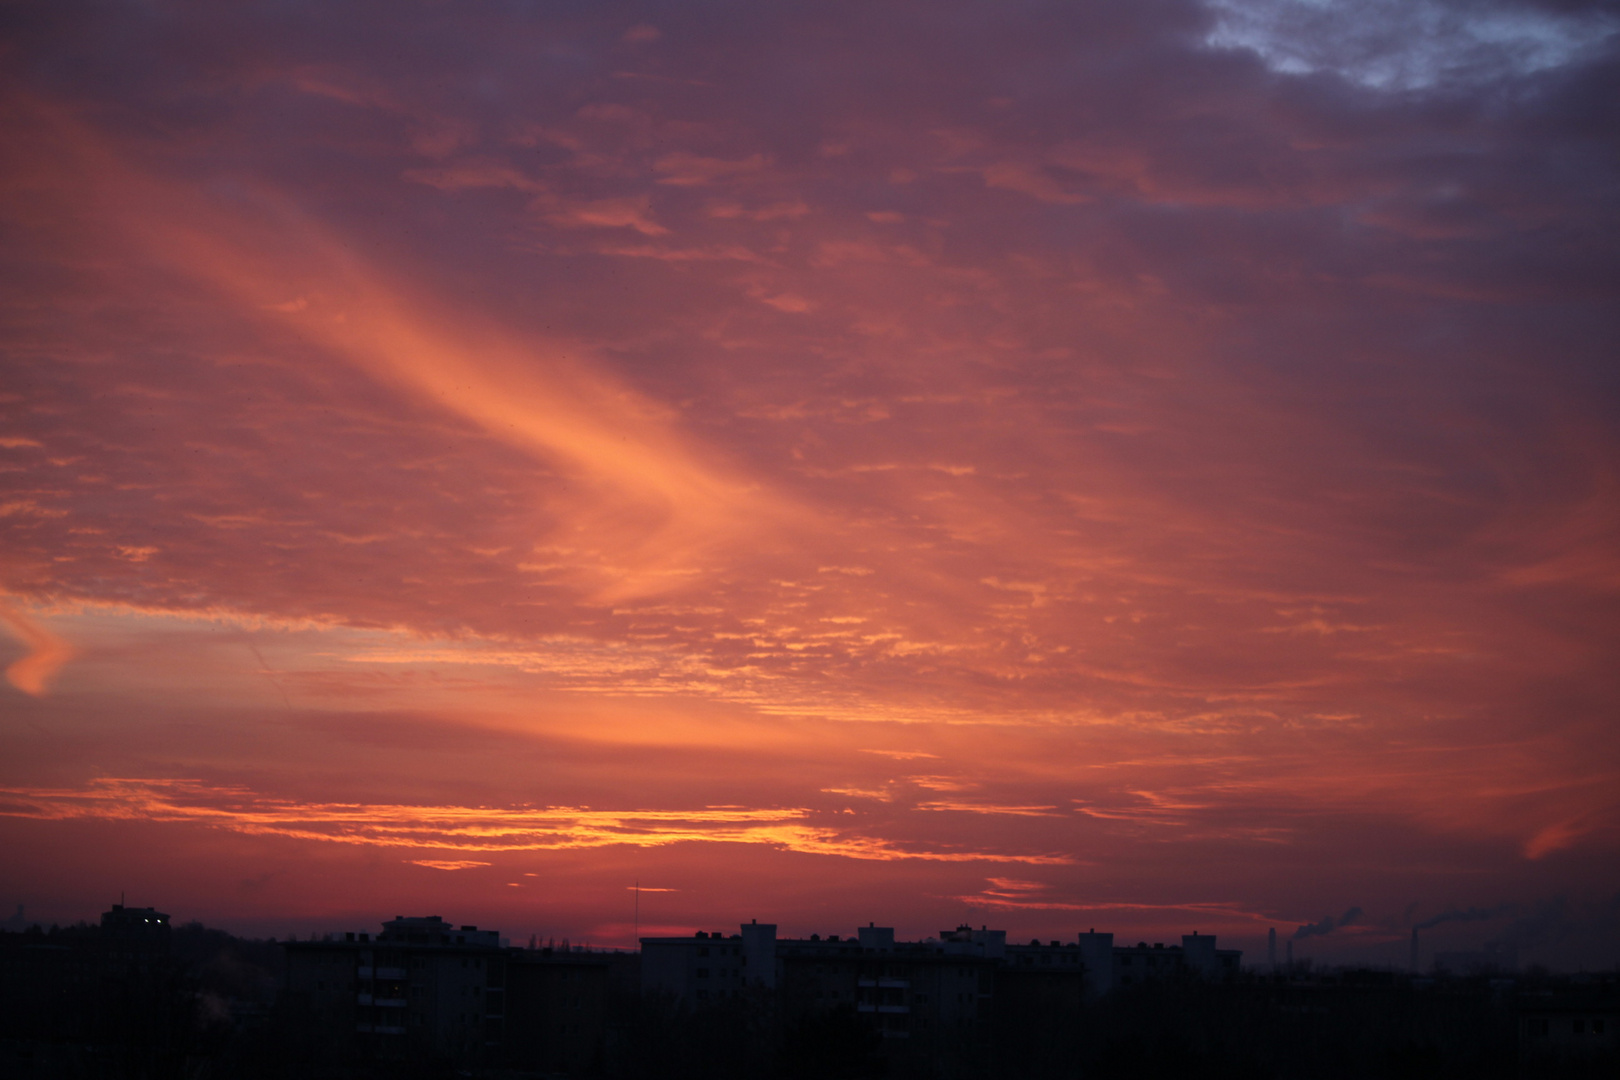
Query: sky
(589, 468)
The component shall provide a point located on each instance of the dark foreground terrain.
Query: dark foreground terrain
(207, 1005)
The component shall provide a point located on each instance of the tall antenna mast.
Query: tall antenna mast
(637, 942)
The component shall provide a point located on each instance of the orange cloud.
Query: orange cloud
(1070, 450)
(652, 504)
(47, 652)
(466, 828)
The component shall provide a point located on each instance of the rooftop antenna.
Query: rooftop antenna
(637, 942)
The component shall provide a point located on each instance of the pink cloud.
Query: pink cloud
(683, 169)
(47, 652)
(1042, 437)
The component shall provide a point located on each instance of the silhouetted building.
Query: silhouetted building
(83, 987)
(1577, 1026)
(931, 1002)
(936, 1004)
(422, 983)
(425, 987)
(143, 929)
(134, 940)
(1097, 963)
(709, 967)
(557, 1009)
(1112, 967)
(128, 998)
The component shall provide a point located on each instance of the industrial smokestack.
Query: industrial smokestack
(1271, 949)
(1414, 949)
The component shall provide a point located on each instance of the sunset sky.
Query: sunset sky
(1147, 465)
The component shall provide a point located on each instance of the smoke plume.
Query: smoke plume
(1328, 924)
(1473, 914)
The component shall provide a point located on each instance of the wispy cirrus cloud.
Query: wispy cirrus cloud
(1016, 895)
(466, 828)
(962, 806)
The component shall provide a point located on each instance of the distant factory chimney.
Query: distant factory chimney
(1414, 949)
(1271, 948)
